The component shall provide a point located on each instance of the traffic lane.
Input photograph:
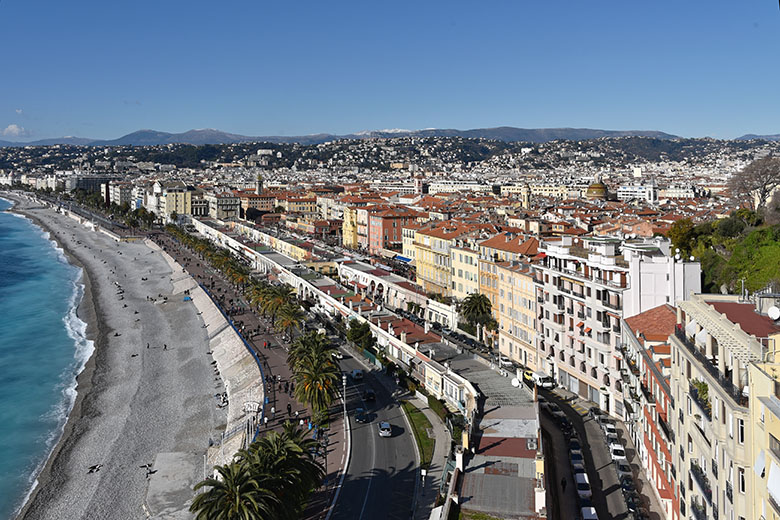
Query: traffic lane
(381, 475)
(607, 493)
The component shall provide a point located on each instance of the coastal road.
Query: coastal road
(380, 482)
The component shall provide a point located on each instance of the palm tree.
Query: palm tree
(290, 318)
(316, 382)
(276, 297)
(476, 308)
(236, 494)
(312, 344)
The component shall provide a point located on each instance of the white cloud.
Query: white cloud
(13, 130)
(19, 111)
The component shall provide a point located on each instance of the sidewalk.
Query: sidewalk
(257, 331)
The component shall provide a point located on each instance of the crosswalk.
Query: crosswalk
(580, 406)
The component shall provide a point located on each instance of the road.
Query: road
(380, 482)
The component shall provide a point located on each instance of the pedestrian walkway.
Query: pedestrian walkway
(272, 351)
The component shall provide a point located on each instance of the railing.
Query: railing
(581, 315)
(646, 392)
(729, 492)
(614, 306)
(699, 511)
(724, 382)
(666, 429)
(704, 406)
(714, 469)
(704, 483)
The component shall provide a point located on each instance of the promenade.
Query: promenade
(258, 333)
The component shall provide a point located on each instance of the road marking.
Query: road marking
(373, 465)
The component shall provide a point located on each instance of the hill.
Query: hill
(749, 137)
(211, 136)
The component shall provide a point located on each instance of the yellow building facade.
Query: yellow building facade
(349, 238)
(517, 313)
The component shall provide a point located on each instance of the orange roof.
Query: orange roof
(655, 324)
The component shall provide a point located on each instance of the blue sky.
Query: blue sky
(104, 69)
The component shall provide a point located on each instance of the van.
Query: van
(583, 485)
(543, 380)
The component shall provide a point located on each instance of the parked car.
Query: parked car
(582, 484)
(574, 445)
(612, 439)
(627, 484)
(617, 452)
(528, 375)
(385, 430)
(356, 375)
(623, 469)
(578, 468)
(588, 513)
(610, 429)
(595, 413)
(576, 458)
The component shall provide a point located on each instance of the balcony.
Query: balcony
(714, 470)
(540, 299)
(699, 511)
(700, 395)
(581, 315)
(729, 492)
(614, 306)
(724, 382)
(647, 394)
(701, 479)
(666, 429)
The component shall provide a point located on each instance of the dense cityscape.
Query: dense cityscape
(565, 329)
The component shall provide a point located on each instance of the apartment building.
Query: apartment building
(385, 228)
(465, 269)
(349, 228)
(642, 192)
(585, 287)
(408, 249)
(223, 205)
(517, 313)
(764, 404)
(645, 373)
(433, 244)
(177, 199)
(722, 473)
(504, 247)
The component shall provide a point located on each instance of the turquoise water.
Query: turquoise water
(42, 349)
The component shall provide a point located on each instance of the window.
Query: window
(741, 431)
(731, 426)
(741, 479)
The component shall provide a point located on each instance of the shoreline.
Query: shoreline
(119, 395)
(88, 312)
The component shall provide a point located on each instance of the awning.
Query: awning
(701, 337)
(760, 465)
(691, 327)
(403, 258)
(580, 324)
(588, 330)
(773, 482)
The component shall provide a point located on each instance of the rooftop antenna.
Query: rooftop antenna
(743, 295)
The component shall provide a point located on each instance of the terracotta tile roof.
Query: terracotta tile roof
(655, 324)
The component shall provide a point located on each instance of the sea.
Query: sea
(43, 347)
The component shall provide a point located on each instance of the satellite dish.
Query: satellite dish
(515, 382)
(774, 313)
(677, 256)
(692, 258)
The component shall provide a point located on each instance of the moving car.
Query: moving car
(385, 430)
(543, 380)
(361, 416)
(337, 354)
(356, 375)
(369, 395)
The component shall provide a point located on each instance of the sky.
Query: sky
(102, 69)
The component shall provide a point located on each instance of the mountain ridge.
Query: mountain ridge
(148, 137)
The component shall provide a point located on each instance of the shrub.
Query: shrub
(438, 407)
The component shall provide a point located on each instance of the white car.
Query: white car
(385, 430)
(337, 354)
(617, 452)
(583, 485)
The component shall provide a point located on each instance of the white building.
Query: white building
(643, 192)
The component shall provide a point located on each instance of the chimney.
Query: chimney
(427, 327)
(416, 345)
(403, 336)
(459, 457)
(350, 304)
